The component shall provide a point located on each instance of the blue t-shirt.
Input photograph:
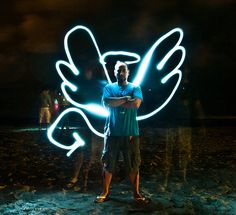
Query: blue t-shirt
(122, 121)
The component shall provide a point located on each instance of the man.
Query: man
(121, 131)
(45, 106)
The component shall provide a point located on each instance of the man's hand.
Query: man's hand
(132, 103)
(128, 98)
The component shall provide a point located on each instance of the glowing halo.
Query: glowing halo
(124, 53)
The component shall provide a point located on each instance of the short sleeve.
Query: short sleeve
(138, 93)
(106, 92)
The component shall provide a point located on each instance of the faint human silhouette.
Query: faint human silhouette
(63, 105)
(56, 105)
(90, 89)
(178, 149)
(45, 115)
(85, 158)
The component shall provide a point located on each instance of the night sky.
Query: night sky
(32, 34)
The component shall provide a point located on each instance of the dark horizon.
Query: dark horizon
(28, 56)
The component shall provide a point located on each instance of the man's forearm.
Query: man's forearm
(116, 101)
(132, 103)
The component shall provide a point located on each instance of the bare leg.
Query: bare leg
(104, 196)
(185, 135)
(107, 176)
(134, 179)
(86, 172)
(78, 165)
(40, 126)
(92, 158)
(170, 141)
(47, 126)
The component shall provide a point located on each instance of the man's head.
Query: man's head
(121, 72)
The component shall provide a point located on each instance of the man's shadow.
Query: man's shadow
(134, 207)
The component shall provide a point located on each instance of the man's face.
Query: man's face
(122, 74)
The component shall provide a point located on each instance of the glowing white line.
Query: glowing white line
(80, 27)
(147, 58)
(146, 62)
(163, 81)
(65, 81)
(78, 141)
(93, 108)
(96, 109)
(166, 101)
(170, 53)
(115, 53)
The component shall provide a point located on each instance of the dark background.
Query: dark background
(31, 40)
(32, 33)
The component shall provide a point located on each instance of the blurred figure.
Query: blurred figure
(55, 107)
(178, 146)
(85, 158)
(179, 132)
(63, 104)
(60, 103)
(45, 108)
(90, 90)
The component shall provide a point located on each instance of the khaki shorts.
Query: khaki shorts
(44, 115)
(129, 146)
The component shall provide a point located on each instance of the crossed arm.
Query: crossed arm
(125, 101)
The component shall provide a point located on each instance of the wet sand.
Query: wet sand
(183, 171)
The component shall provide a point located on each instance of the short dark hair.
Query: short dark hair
(119, 63)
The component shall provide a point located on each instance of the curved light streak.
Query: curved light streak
(177, 46)
(78, 140)
(65, 81)
(81, 27)
(114, 53)
(182, 49)
(96, 109)
(146, 63)
(167, 100)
